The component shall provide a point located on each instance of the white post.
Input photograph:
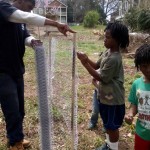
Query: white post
(66, 15)
(60, 14)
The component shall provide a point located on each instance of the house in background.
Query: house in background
(124, 6)
(40, 8)
(59, 9)
(54, 10)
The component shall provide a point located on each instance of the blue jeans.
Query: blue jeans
(12, 104)
(95, 109)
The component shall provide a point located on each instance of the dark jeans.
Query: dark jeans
(112, 115)
(95, 109)
(12, 104)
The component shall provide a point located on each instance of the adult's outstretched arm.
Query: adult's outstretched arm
(19, 16)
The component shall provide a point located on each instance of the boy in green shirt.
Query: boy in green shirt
(140, 99)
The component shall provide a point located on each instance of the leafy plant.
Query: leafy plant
(131, 18)
(144, 20)
(91, 19)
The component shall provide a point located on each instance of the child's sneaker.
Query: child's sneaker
(103, 130)
(26, 143)
(17, 146)
(103, 147)
(91, 126)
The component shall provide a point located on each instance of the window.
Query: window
(126, 6)
(120, 8)
(41, 11)
(63, 19)
(120, 4)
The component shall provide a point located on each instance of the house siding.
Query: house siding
(55, 9)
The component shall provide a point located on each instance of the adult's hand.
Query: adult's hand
(64, 28)
(35, 42)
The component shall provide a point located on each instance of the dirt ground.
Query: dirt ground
(126, 135)
(126, 132)
(87, 139)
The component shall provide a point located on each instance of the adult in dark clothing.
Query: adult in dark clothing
(13, 38)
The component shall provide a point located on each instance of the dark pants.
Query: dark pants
(112, 115)
(12, 104)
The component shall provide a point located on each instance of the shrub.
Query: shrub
(91, 19)
(131, 18)
(144, 20)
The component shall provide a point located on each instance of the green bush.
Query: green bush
(131, 18)
(144, 20)
(91, 19)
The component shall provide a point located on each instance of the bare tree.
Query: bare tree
(81, 7)
(109, 6)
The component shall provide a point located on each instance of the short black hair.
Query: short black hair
(31, 1)
(142, 55)
(119, 32)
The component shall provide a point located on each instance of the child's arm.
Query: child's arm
(132, 112)
(84, 59)
(95, 83)
(91, 71)
(90, 66)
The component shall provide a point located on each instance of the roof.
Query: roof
(56, 3)
(40, 3)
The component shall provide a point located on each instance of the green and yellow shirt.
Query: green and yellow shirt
(140, 96)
